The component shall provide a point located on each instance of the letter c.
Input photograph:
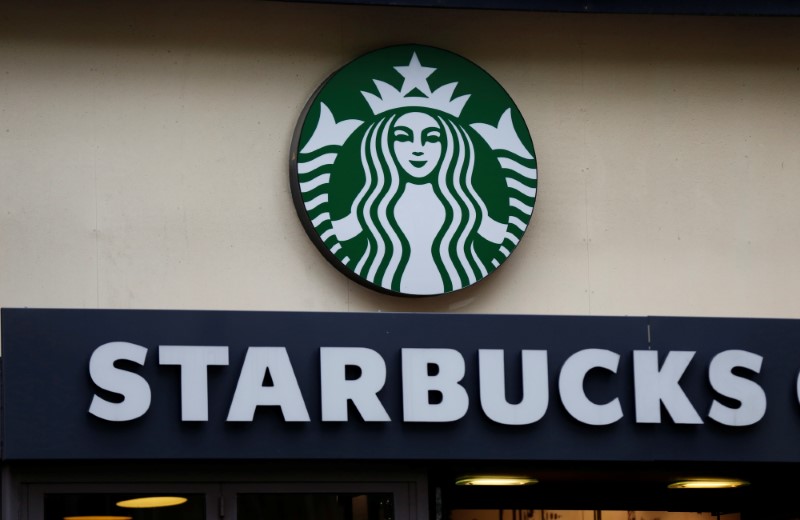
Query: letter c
(570, 386)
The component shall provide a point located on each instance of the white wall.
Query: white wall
(144, 156)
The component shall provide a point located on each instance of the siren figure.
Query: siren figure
(418, 206)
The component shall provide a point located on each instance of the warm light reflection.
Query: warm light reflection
(708, 483)
(152, 502)
(495, 480)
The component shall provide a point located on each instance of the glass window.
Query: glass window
(298, 499)
(315, 506)
(115, 506)
(562, 514)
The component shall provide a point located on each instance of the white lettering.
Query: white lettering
(752, 399)
(653, 386)
(418, 385)
(492, 380)
(798, 388)
(570, 386)
(251, 393)
(432, 385)
(132, 387)
(337, 390)
(194, 362)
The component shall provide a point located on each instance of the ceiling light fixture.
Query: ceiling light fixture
(145, 502)
(708, 483)
(495, 480)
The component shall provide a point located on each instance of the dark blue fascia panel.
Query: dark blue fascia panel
(47, 388)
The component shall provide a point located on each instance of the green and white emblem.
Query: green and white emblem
(413, 171)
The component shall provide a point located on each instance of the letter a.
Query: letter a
(250, 393)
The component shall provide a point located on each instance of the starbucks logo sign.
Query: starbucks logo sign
(413, 171)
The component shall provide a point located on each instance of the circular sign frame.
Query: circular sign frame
(413, 171)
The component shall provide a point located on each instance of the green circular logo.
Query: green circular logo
(413, 171)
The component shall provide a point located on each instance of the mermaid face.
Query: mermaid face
(417, 143)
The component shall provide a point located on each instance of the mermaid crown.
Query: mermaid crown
(416, 81)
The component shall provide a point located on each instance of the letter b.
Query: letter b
(418, 383)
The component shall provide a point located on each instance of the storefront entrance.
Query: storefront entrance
(293, 501)
(313, 491)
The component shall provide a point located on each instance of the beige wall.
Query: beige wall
(144, 156)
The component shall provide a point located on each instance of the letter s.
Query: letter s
(752, 399)
(134, 389)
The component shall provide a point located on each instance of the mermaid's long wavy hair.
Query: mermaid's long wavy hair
(453, 250)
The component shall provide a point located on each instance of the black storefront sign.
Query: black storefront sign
(274, 386)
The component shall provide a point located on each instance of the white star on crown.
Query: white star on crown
(415, 78)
